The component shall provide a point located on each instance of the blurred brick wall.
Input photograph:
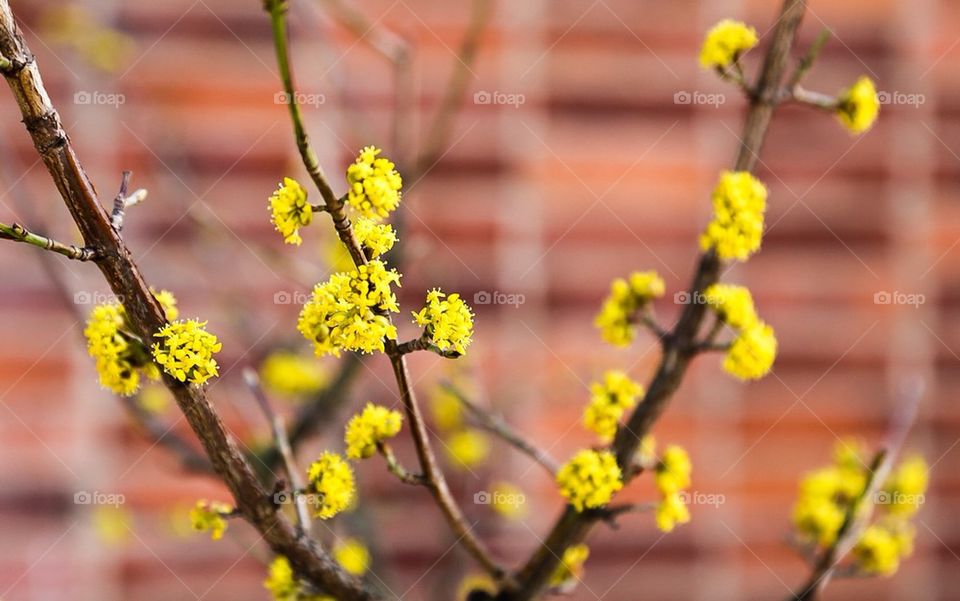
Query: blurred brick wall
(601, 170)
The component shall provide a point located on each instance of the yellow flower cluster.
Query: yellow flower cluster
(827, 493)
(283, 584)
(627, 297)
(608, 402)
(447, 320)
(352, 555)
(882, 546)
(185, 351)
(858, 106)
(590, 479)
(903, 492)
(466, 448)
(753, 351)
(330, 478)
(739, 202)
(378, 238)
(208, 516)
(672, 475)
(374, 184)
(369, 427)
(725, 42)
(570, 569)
(121, 358)
(292, 375)
(347, 311)
(289, 210)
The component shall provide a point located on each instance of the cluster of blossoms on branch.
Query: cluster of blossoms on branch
(284, 585)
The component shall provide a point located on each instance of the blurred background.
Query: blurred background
(585, 146)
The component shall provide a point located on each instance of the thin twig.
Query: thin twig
(423, 343)
(395, 468)
(499, 427)
(120, 202)
(810, 57)
(280, 439)
(18, 233)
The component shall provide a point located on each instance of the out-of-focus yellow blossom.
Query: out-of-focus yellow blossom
(292, 375)
(185, 351)
(673, 471)
(608, 401)
(827, 493)
(73, 25)
(818, 519)
(347, 311)
(374, 184)
(154, 399)
(331, 480)
(858, 106)
(353, 556)
(752, 353)
(446, 409)
(739, 202)
(372, 425)
(508, 500)
(447, 320)
(725, 42)
(121, 358)
(904, 490)
(475, 582)
(571, 565)
(207, 516)
(290, 211)
(467, 448)
(113, 524)
(882, 546)
(590, 479)
(733, 304)
(616, 319)
(646, 455)
(282, 583)
(671, 511)
(378, 238)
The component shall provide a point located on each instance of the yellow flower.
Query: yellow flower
(364, 430)
(467, 448)
(112, 524)
(185, 351)
(739, 202)
(905, 488)
(154, 399)
(725, 42)
(508, 500)
(627, 297)
(752, 353)
(671, 511)
(858, 106)
(590, 479)
(646, 455)
(378, 238)
(447, 320)
(818, 519)
(608, 401)
(446, 408)
(673, 471)
(292, 375)
(571, 565)
(827, 493)
(353, 556)
(882, 546)
(281, 582)
(121, 358)
(347, 312)
(331, 479)
(374, 184)
(209, 516)
(289, 210)
(733, 304)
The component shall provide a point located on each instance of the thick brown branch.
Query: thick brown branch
(53, 145)
(679, 348)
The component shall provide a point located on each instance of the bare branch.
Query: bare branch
(18, 233)
(395, 468)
